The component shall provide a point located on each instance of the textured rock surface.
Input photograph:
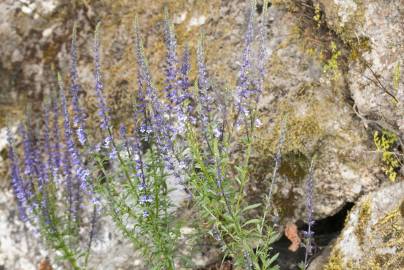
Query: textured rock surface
(34, 44)
(377, 27)
(320, 122)
(373, 237)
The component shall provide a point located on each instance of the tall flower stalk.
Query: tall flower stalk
(185, 137)
(221, 199)
(53, 185)
(143, 159)
(309, 233)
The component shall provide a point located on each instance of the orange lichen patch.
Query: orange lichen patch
(292, 234)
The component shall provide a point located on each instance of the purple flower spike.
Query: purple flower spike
(28, 152)
(145, 199)
(171, 62)
(56, 155)
(243, 86)
(102, 105)
(16, 180)
(70, 145)
(47, 141)
(73, 168)
(78, 119)
(203, 83)
(185, 68)
(262, 54)
(309, 208)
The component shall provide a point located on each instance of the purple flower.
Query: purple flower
(122, 134)
(171, 62)
(42, 176)
(82, 174)
(72, 161)
(141, 187)
(113, 154)
(145, 199)
(107, 141)
(68, 134)
(16, 180)
(162, 130)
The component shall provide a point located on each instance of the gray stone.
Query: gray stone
(373, 235)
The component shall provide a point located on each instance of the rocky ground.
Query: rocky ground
(335, 68)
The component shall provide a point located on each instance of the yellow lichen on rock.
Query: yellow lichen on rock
(363, 220)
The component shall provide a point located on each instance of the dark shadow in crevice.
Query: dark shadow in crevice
(259, 7)
(325, 231)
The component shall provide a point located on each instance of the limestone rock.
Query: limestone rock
(320, 121)
(375, 30)
(373, 237)
(34, 44)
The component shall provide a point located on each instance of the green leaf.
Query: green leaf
(251, 206)
(252, 221)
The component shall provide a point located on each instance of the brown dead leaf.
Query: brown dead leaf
(292, 234)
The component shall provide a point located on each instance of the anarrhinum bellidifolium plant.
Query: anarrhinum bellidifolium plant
(218, 186)
(51, 182)
(184, 135)
(136, 188)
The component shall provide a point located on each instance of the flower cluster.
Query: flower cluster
(52, 184)
(183, 135)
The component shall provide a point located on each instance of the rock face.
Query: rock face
(319, 122)
(375, 29)
(329, 113)
(373, 237)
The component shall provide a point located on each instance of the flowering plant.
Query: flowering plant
(182, 138)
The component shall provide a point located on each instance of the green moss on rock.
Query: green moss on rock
(363, 221)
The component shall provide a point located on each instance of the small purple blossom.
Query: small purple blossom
(113, 154)
(108, 141)
(141, 187)
(145, 199)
